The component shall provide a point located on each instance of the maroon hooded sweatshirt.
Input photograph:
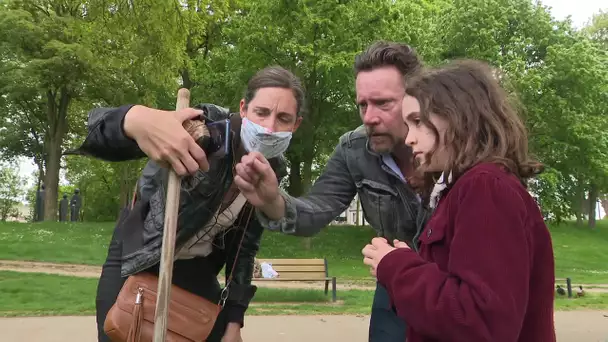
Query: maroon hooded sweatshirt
(485, 268)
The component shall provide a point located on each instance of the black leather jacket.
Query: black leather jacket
(141, 231)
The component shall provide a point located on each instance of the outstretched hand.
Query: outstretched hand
(374, 253)
(256, 180)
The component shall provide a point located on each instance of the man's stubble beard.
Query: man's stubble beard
(386, 147)
(383, 149)
(388, 144)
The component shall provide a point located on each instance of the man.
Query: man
(215, 228)
(371, 161)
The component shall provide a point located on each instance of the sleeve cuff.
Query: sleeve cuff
(287, 224)
(126, 109)
(106, 138)
(235, 314)
(387, 268)
(238, 301)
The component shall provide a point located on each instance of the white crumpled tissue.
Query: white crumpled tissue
(268, 271)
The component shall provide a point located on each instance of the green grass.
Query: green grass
(269, 301)
(79, 243)
(30, 294)
(340, 245)
(592, 301)
(580, 253)
(87, 243)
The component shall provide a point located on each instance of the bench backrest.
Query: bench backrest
(305, 269)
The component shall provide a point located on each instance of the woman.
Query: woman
(213, 215)
(485, 268)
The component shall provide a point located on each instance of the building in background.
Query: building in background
(349, 216)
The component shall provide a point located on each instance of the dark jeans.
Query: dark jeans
(384, 324)
(192, 275)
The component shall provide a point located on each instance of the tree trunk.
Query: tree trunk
(593, 194)
(295, 185)
(41, 171)
(306, 182)
(307, 148)
(307, 243)
(186, 80)
(579, 218)
(306, 174)
(51, 180)
(125, 189)
(300, 163)
(295, 181)
(579, 207)
(57, 109)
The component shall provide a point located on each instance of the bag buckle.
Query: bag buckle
(140, 293)
(224, 296)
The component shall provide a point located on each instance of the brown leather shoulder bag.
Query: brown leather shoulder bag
(190, 319)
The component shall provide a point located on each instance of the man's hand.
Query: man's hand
(232, 333)
(374, 252)
(258, 183)
(161, 136)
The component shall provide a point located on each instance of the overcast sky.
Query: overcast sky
(579, 10)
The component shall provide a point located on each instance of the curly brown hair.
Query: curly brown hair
(483, 124)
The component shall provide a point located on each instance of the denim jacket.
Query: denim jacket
(389, 204)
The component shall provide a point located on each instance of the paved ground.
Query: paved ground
(573, 326)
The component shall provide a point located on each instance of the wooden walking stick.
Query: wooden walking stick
(165, 273)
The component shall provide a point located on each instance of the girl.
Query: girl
(484, 269)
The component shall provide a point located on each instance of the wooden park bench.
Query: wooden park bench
(301, 270)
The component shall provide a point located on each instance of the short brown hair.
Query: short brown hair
(279, 77)
(483, 125)
(383, 53)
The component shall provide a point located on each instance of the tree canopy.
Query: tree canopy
(60, 59)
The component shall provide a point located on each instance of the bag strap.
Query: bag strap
(134, 195)
(225, 291)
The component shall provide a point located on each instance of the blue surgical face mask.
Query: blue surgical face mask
(256, 138)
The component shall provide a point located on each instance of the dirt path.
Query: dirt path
(571, 326)
(86, 271)
(89, 271)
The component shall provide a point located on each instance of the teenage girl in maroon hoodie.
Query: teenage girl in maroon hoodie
(484, 268)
